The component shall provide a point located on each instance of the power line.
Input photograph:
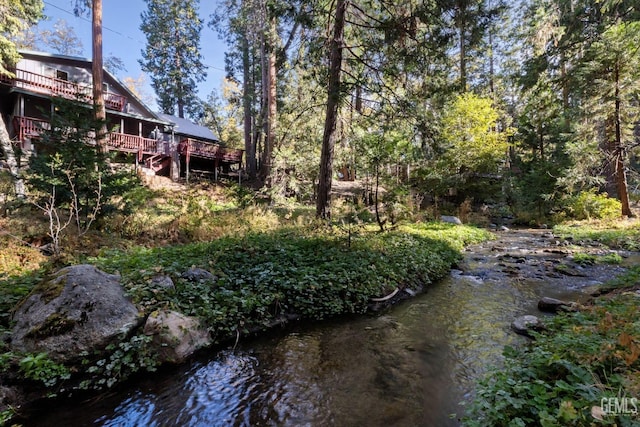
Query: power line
(87, 20)
(114, 31)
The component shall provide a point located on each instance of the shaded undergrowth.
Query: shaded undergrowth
(619, 234)
(314, 275)
(310, 272)
(573, 374)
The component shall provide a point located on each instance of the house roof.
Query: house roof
(187, 128)
(86, 62)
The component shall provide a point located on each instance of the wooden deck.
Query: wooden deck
(55, 87)
(208, 150)
(29, 127)
(134, 144)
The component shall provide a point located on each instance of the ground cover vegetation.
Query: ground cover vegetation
(496, 111)
(271, 262)
(562, 377)
(270, 265)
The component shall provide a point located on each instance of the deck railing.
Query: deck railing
(29, 127)
(56, 87)
(231, 155)
(193, 147)
(209, 150)
(132, 143)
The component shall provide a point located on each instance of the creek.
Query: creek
(409, 365)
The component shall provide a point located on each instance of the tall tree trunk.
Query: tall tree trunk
(608, 146)
(247, 89)
(462, 24)
(269, 96)
(323, 202)
(180, 109)
(564, 78)
(270, 131)
(180, 94)
(180, 103)
(619, 168)
(541, 141)
(492, 89)
(100, 113)
(5, 143)
(264, 114)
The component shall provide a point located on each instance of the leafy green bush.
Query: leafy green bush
(584, 258)
(589, 259)
(39, 367)
(122, 360)
(242, 195)
(566, 372)
(611, 258)
(593, 205)
(613, 233)
(264, 275)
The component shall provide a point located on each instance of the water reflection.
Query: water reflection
(410, 366)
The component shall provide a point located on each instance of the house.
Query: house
(163, 144)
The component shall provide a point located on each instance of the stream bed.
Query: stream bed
(410, 365)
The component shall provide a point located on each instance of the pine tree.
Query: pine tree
(172, 55)
(588, 51)
(334, 87)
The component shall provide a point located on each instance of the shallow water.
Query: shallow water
(408, 366)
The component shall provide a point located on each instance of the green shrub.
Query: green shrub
(565, 373)
(612, 258)
(39, 367)
(121, 361)
(589, 259)
(315, 275)
(584, 258)
(613, 233)
(592, 205)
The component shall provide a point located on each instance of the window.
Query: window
(105, 87)
(62, 75)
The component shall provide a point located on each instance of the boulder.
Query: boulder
(451, 219)
(162, 282)
(195, 274)
(552, 305)
(523, 325)
(568, 270)
(175, 336)
(80, 308)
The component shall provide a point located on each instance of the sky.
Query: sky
(123, 38)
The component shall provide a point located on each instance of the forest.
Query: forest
(367, 126)
(530, 104)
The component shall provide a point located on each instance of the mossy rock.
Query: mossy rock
(78, 309)
(55, 324)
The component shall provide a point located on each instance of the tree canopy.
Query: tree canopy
(457, 94)
(172, 54)
(15, 17)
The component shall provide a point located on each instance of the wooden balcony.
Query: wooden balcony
(29, 127)
(231, 155)
(192, 147)
(133, 144)
(55, 87)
